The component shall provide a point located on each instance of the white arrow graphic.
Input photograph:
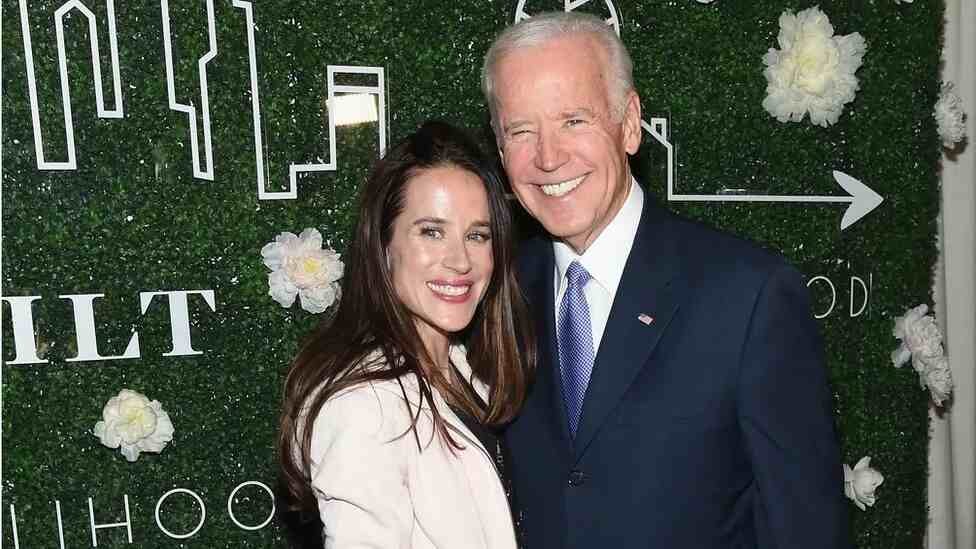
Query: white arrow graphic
(862, 198)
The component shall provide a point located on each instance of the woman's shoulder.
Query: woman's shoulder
(370, 392)
(389, 396)
(366, 410)
(371, 396)
(357, 425)
(360, 403)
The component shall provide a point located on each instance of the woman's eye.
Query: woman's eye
(480, 236)
(431, 232)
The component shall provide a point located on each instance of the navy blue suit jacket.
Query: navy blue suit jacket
(709, 428)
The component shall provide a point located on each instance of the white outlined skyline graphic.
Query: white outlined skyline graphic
(118, 112)
(379, 90)
(191, 111)
(861, 198)
(198, 113)
(572, 5)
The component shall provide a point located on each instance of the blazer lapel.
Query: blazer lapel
(647, 299)
(459, 357)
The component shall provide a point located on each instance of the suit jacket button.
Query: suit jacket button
(576, 477)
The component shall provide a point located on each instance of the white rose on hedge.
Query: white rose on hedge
(135, 424)
(301, 267)
(919, 335)
(813, 72)
(950, 116)
(921, 342)
(937, 378)
(860, 483)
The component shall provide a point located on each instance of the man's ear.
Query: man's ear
(632, 122)
(499, 139)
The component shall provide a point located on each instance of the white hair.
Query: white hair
(543, 28)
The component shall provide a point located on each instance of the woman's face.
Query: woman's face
(440, 253)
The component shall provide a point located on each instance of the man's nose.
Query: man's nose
(550, 155)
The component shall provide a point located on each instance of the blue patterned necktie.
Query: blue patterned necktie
(575, 343)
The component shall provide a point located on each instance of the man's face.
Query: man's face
(563, 144)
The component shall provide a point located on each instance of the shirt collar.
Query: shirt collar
(607, 255)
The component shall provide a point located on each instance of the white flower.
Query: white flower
(704, 1)
(301, 267)
(950, 116)
(921, 342)
(920, 336)
(135, 424)
(860, 483)
(813, 72)
(936, 376)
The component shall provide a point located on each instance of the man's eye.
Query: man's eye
(575, 122)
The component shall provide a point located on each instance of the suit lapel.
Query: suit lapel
(649, 286)
(547, 396)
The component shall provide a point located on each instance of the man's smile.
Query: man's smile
(560, 189)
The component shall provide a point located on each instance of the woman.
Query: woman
(402, 451)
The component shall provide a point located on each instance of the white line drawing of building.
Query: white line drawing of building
(570, 5)
(860, 198)
(118, 112)
(199, 171)
(378, 90)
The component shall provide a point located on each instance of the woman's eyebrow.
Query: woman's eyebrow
(434, 220)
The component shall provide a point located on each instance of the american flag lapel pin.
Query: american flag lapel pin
(646, 319)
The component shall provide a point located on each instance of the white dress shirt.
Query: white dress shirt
(604, 260)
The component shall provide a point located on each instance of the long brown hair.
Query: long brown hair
(370, 317)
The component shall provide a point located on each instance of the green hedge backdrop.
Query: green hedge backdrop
(132, 218)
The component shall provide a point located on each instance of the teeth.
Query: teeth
(448, 290)
(560, 189)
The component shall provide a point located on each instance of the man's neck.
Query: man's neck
(581, 243)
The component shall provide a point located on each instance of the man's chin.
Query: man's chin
(561, 231)
(578, 240)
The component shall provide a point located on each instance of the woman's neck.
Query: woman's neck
(437, 345)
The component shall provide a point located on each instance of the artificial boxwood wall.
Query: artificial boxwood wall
(132, 218)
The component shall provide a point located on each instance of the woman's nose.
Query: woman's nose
(457, 257)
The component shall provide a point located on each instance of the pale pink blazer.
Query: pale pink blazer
(376, 489)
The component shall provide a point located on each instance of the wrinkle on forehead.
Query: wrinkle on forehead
(538, 75)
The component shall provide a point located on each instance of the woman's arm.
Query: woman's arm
(359, 471)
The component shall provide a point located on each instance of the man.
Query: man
(681, 400)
